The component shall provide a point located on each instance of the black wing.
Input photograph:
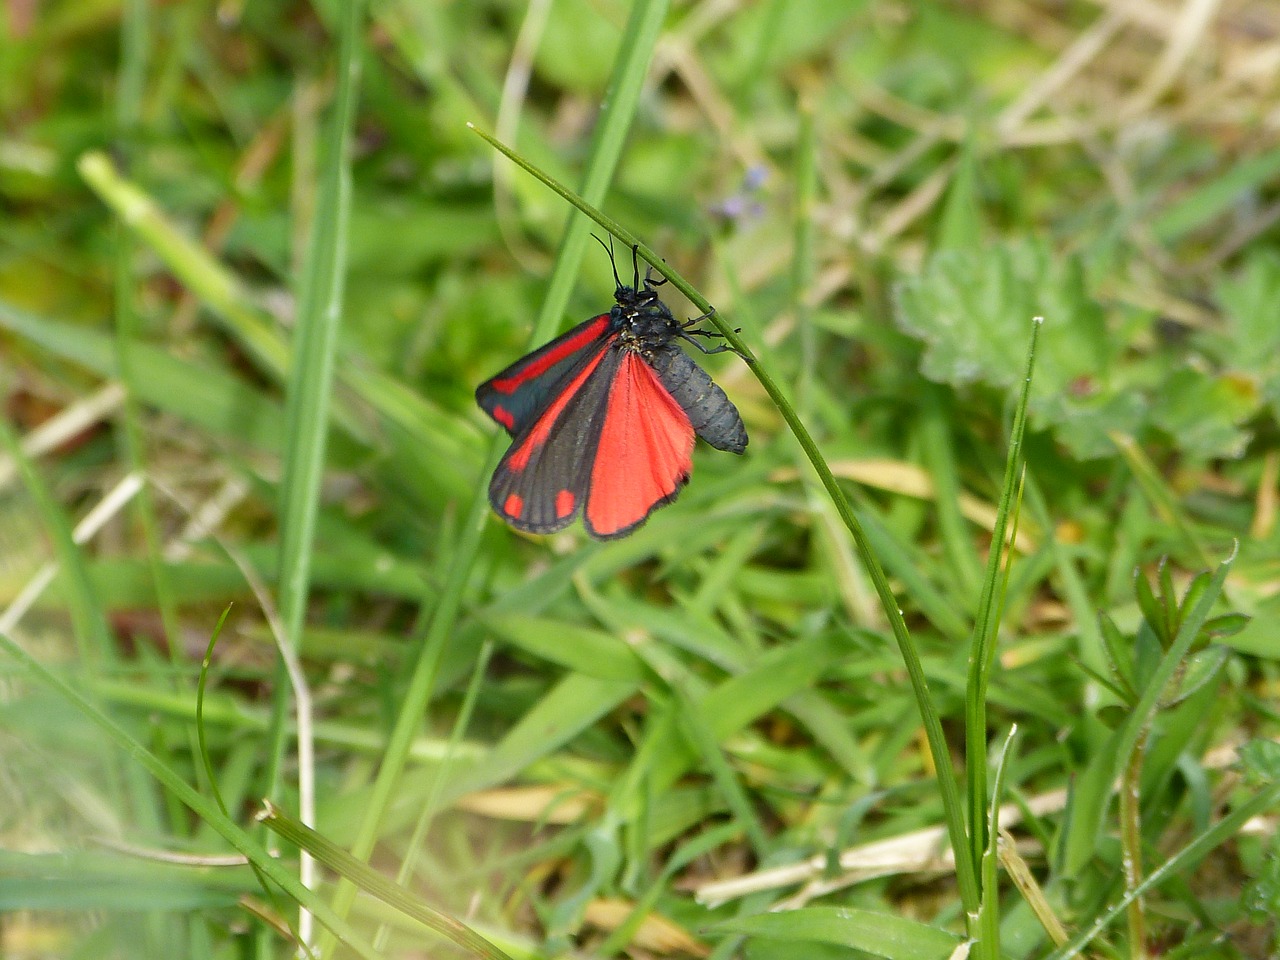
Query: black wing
(541, 482)
(516, 396)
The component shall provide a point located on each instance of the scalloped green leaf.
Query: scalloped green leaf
(1204, 412)
(1261, 759)
(1248, 341)
(972, 309)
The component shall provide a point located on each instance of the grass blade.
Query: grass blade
(335, 858)
(201, 806)
(894, 938)
(623, 96)
(1219, 833)
(1094, 789)
(983, 645)
(966, 873)
(310, 382)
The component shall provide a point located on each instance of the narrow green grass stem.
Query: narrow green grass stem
(622, 100)
(1222, 831)
(802, 257)
(982, 649)
(987, 930)
(309, 388)
(135, 48)
(94, 646)
(1131, 844)
(953, 811)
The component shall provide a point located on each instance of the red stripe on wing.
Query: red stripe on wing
(590, 331)
(518, 458)
(644, 454)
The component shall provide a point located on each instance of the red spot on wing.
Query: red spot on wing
(645, 450)
(565, 501)
(553, 356)
(518, 458)
(513, 505)
(504, 417)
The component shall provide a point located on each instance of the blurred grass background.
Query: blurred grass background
(643, 747)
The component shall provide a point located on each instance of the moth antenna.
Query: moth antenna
(617, 283)
(635, 265)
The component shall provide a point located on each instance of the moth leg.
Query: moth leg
(706, 316)
(688, 334)
(719, 348)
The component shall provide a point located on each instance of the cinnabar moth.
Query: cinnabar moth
(603, 418)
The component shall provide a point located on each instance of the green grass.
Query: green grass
(762, 725)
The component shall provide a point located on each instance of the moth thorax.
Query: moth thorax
(648, 328)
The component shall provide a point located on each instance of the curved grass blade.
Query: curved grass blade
(309, 387)
(966, 873)
(201, 806)
(623, 96)
(369, 880)
(987, 625)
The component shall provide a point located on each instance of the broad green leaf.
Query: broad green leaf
(96, 881)
(1262, 897)
(594, 653)
(879, 934)
(973, 309)
(1202, 667)
(570, 707)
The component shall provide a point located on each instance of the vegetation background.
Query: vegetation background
(253, 264)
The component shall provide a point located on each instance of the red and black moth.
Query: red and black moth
(603, 418)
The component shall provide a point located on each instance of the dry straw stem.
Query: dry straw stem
(112, 502)
(1205, 62)
(655, 932)
(515, 87)
(67, 423)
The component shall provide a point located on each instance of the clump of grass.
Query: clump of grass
(706, 739)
